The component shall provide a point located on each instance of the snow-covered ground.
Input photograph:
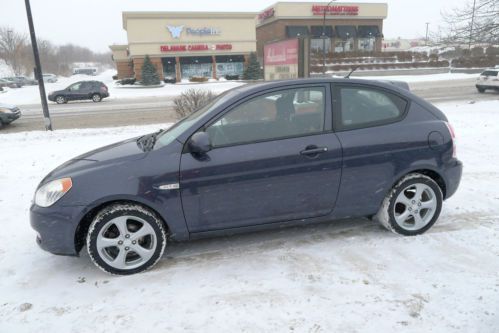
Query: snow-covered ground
(348, 276)
(421, 78)
(31, 94)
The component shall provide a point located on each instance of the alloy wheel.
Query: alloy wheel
(415, 206)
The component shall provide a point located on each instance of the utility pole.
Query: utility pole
(426, 39)
(38, 69)
(471, 26)
(324, 38)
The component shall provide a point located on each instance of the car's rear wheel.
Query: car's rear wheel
(96, 98)
(412, 206)
(60, 99)
(125, 239)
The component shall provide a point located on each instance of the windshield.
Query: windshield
(178, 128)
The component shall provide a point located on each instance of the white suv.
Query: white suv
(488, 79)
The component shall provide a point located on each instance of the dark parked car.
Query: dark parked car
(8, 113)
(259, 156)
(83, 90)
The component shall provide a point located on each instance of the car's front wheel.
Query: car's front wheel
(60, 99)
(96, 98)
(480, 90)
(412, 206)
(125, 239)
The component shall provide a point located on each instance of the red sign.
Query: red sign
(335, 10)
(266, 14)
(194, 47)
(281, 53)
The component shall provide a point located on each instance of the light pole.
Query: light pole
(426, 39)
(324, 37)
(471, 25)
(38, 69)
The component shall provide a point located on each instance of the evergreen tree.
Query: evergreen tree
(253, 71)
(149, 73)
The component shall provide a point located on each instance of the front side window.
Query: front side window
(75, 87)
(286, 113)
(365, 107)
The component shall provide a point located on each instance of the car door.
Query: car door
(273, 158)
(377, 141)
(74, 91)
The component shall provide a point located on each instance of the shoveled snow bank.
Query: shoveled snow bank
(349, 276)
(31, 95)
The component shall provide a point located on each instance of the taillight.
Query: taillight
(453, 137)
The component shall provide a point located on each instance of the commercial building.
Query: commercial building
(349, 26)
(186, 44)
(208, 44)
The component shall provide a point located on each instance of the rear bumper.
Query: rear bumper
(56, 228)
(453, 177)
(7, 118)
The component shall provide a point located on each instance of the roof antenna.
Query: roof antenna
(353, 70)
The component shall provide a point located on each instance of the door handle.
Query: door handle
(313, 150)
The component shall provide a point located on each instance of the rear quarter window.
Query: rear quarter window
(362, 107)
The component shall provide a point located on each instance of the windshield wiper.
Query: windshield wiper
(147, 142)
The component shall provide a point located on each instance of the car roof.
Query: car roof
(398, 86)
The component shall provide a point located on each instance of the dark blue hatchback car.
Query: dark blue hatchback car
(258, 156)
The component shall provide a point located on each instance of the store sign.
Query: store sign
(176, 31)
(195, 47)
(335, 10)
(281, 53)
(280, 60)
(266, 14)
(203, 31)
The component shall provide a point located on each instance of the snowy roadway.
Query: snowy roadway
(347, 276)
(154, 105)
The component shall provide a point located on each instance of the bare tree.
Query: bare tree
(476, 22)
(12, 46)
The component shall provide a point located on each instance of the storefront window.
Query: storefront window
(230, 65)
(366, 44)
(344, 45)
(317, 44)
(196, 66)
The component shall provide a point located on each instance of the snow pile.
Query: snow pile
(348, 276)
(31, 95)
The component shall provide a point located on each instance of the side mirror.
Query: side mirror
(199, 143)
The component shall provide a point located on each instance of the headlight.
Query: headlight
(4, 110)
(48, 194)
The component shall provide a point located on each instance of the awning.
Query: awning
(296, 31)
(365, 31)
(316, 31)
(346, 31)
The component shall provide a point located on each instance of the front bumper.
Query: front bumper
(453, 174)
(56, 228)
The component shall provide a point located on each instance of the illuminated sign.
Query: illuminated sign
(175, 31)
(266, 14)
(335, 10)
(203, 31)
(195, 47)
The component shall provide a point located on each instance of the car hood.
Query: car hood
(7, 106)
(116, 154)
(58, 92)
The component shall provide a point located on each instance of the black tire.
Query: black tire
(480, 90)
(390, 208)
(109, 214)
(61, 100)
(96, 98)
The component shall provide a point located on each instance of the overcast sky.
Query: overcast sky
(97, 23)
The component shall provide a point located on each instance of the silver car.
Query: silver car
(50, 78)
